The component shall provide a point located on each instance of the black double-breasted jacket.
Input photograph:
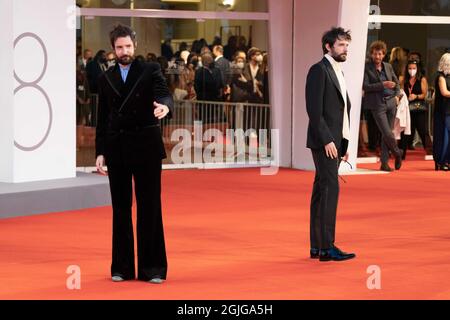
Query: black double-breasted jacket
(127, 129)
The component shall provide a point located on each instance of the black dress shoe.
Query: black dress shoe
(441, 167)
(334, 254)
(385, 167)
(398, 161)
(314, 253)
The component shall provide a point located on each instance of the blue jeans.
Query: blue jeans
(446, 139)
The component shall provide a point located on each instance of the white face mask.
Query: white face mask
(259, 58)
(200, 64)
(412, 72)
(240, 65)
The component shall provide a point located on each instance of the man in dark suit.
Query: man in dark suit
(208, 80)
(133, 97)
(381, 96)
(221, 63)
(328, 107)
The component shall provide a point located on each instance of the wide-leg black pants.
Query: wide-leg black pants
(151, 249)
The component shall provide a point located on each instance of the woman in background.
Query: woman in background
(441, 136)
(398, 61)
(416, 89)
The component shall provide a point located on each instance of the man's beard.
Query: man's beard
(125, 60)
(340, 57)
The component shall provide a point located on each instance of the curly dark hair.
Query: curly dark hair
(121, 31)
(330, 37)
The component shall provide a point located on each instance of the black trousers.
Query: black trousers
(152, 258)
(419, 122)
(324, 201)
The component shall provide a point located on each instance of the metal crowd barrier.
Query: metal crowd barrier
(253, 120)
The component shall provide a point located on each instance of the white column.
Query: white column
(280, 43)
(312, 19)
(38, 90)
(6, 92)
(354, 15)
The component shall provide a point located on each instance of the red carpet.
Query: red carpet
(234, 234)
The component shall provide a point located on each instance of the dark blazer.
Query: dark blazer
(208, 84)
(325, 106)
(127, 129)
(224, 66)
(373, 87)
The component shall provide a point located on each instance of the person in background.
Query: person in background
(381, 96)
(417, 56)
(208, 80)
(255, 74)
(415, 86)
(221, 63)
(166, 49)
(240, 86)
(189, 75)
(110, 60)
(164, 64)
(204, 50)
(265, 70)
(87, 57)
(208, 87)
(441, 131)
(151, 57)
(183, 47)
(240, 54)
(398, 61)
(94, 69)
(83, 98)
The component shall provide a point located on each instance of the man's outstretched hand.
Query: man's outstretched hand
(161, 110)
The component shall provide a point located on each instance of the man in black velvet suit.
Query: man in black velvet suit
(328, 107)
(133, 97)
